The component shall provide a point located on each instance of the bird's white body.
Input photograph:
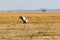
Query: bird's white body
(26, 20)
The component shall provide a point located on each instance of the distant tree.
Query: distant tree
(43, 10)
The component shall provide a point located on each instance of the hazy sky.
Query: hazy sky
(29, 4)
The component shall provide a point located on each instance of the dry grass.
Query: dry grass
(41, 26)
(13, 17)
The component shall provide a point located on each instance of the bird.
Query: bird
(24, 19)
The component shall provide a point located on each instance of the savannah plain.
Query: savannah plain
(41, 26)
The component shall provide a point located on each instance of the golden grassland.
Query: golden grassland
(34, 17)
(41, 26)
